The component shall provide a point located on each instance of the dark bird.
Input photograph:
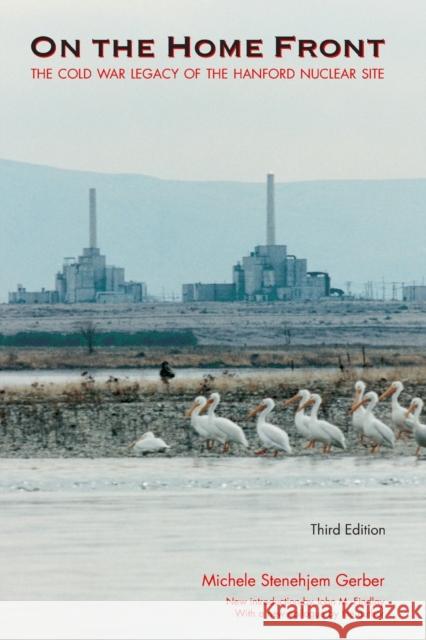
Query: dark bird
(166, 372)
(205, 385)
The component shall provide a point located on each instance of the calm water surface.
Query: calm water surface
(148, 529)
(42, 376)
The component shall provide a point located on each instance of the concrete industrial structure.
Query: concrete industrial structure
(414, 293)
(87, 279)
(269, 273)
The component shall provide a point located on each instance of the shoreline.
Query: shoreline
(102, 420)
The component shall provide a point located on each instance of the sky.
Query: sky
(217, 130)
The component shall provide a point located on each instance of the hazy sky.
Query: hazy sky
(217, 130)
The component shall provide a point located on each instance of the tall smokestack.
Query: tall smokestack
(270, 210)
(92, 218)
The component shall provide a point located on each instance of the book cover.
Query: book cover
(212, 320)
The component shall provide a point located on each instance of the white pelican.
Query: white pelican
(359, 414)
(419, 429)
(400, 421)
(148, 443)
(375, 429)
(321, 430)
(301, 420)
(271, 437)
(199, 423)
(223, 429)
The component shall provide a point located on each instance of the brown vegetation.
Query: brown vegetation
(212, 357)
(277, 384)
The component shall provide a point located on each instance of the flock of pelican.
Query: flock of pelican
(405, 420)
(372, 431)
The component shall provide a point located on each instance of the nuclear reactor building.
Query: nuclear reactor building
(87, 279)
(269, 273)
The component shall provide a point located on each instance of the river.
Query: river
(131, 529)
(10, 378)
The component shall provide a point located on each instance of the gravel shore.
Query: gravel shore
(51, 428)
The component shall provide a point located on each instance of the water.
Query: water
(148, 529)
(118, 475)
(54, 376)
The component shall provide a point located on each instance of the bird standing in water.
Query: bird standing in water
(166, 373)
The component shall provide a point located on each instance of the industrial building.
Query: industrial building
(22, 296)
(87, 279)
(414, 293)
(269, 273)
(220, 292)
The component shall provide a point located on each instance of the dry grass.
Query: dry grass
(275, 384)
(209, 356)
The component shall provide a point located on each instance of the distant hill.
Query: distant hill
(168, 232)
